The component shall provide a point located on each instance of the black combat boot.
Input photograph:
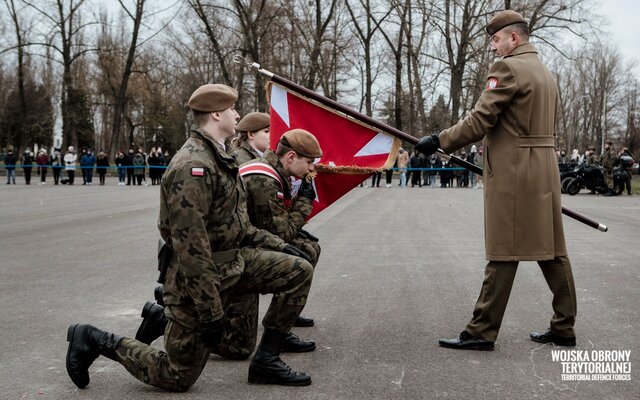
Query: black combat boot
(293, 344)
(153, 323)
(267, 367)
(158, 294)
(86, 343)
(304, 322)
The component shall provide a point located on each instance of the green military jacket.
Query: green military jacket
(270, 203)
(245, 153)
(608, 159)
(203, 218)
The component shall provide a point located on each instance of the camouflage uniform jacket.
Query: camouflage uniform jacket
(608, 159)
(270, 205)
(203, 218)
(245, 153)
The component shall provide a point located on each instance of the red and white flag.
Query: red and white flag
(351, 150)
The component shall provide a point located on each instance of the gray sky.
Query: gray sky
(624, 25)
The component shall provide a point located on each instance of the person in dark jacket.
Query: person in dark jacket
(415, 163)
(10, 161)
(102, 164)
(154, 164)
(87, 162)
(27, 166)
(121, 163)
(56, 165)
(129, 166)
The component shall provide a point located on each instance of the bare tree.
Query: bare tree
(121, 95)
(67, 26)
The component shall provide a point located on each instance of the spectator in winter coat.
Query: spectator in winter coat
(87, 162)
(138, 167)
(102, 164)
(42, 161)
(27, 166)
(121, 163)
(10, 161)
(70, 159)
(56, 165)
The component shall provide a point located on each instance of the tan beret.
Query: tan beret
(253, 122)
(212, 97)
(302, 142)
(502, 20)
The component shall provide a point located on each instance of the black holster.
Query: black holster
(164, 259)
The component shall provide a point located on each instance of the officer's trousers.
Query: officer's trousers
(177, 369)
(496, 288)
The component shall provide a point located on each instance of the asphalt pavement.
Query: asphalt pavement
(400, 268)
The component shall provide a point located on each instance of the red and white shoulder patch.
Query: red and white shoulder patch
(197, 171)
(492, 83)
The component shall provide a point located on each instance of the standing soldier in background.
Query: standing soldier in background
(591, 156)
(516, 117)
(214, 256)
(626, 162)
(253, 137)
(608, 161)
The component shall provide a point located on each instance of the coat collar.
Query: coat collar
(522, 49)
(215, 147)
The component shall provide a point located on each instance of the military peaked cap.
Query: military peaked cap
(253, 122)
(212, 97)
(502, 20)
(302, 142)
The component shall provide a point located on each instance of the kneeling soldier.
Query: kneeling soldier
(203, 218)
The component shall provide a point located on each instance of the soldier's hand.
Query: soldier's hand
(428, 145)
(307, 190)
(211, 333)
(294, 251)
(308, 235)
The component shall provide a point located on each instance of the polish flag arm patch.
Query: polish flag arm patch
(492, 83)
(197, 171)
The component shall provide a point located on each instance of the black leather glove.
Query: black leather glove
(294, 251)
(308, 235)
(428, 145)
(211, 333)
(307, 190)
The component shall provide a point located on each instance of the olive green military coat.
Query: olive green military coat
(516, 116)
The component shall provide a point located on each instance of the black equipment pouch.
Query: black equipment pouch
(164, 259)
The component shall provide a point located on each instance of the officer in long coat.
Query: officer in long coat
(516, 116)
(217, 254)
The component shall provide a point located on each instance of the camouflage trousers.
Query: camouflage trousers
(241, 314)
(179, 366)
(608, 178)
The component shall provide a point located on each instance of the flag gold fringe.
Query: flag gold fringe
(345, 169)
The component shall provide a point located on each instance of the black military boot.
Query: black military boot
(153, 323)
(158, 294)
(267, 367)
(303, 322)
(293, 344)
(86, 343)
